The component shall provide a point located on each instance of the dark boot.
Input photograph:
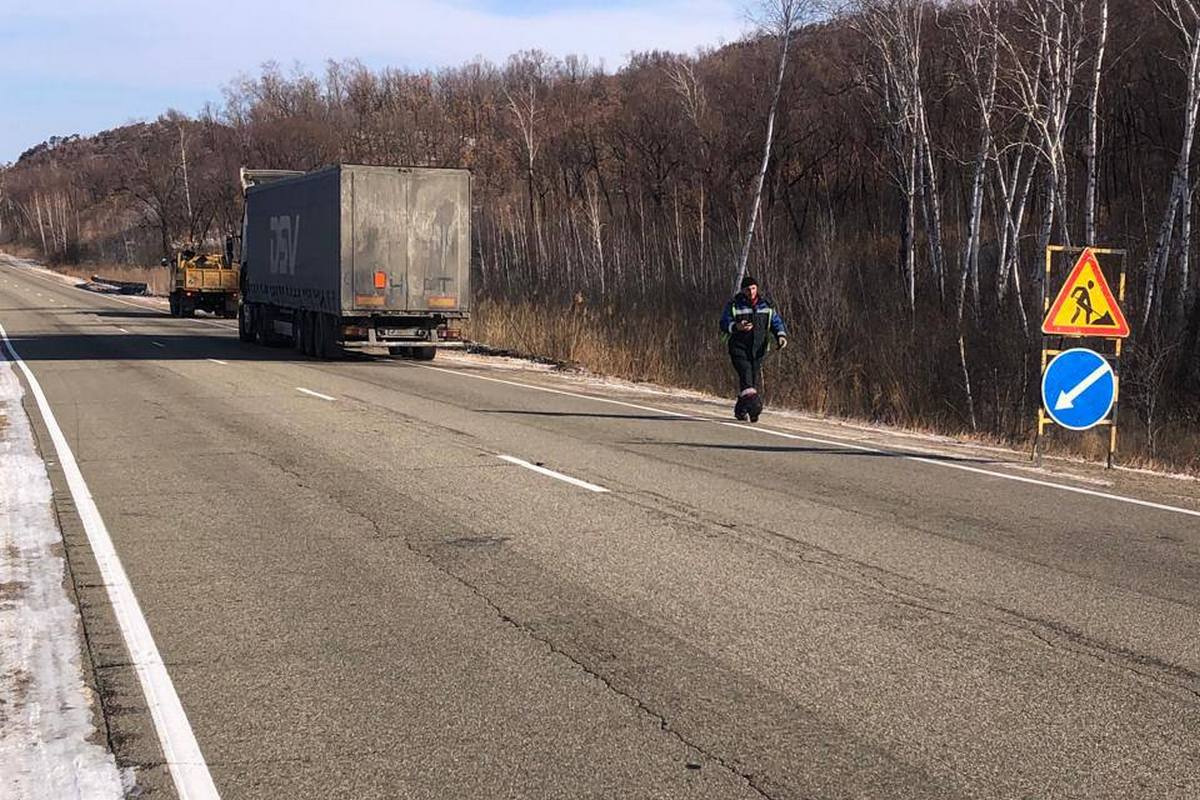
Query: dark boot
(754, 407)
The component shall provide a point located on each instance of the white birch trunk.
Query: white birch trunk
(1089, 203)
(786, 36)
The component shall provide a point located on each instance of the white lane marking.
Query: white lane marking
(834, 443)
(591, 487)
(158, 344)
(179, 745)
(122, 330)
(548, 390)
(977, 470)
(218, 361)
(315, 394)
(142, 306)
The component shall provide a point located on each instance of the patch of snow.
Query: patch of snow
(45, 707)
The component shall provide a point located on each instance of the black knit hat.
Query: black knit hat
(749, 281)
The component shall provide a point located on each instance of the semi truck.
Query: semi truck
(356, 257)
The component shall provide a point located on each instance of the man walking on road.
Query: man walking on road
(747, 321)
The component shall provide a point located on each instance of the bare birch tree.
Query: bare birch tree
(1093, 112)
(980, 55)
(1184, 16)
(893, 30)
(781, 19)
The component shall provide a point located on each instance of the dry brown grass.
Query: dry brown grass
(157, 279)
(688, 354)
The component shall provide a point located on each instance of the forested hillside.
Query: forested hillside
(924, 155)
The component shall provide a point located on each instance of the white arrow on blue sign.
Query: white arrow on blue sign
(1079, 389)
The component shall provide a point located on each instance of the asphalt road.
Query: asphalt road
(357, 596)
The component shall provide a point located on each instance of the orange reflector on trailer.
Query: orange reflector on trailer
(443, 301)
(380, 280)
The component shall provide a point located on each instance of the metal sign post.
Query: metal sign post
(1085, 308)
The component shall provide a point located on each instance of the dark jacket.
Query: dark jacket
(766, 320)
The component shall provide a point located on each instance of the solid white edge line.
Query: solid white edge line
(834, 443)
(219, 361)
(144, 306)
(180, 748)
(591, 487)
(315, 394)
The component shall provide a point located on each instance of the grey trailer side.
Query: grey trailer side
(292, 245)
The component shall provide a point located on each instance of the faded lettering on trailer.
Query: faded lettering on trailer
(285, 234)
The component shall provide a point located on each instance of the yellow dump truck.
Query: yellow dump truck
(203, 282)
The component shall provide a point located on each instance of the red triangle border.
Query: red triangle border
(1119, 332)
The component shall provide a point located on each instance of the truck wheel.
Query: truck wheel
(298, 331)
(245, 324)
(187, 308)
(174, 304)
(311, 322)
(328, 347)
(424, 353)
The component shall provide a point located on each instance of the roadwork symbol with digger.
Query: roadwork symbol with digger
(1085, 305)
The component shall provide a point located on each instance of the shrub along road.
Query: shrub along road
(376, 578)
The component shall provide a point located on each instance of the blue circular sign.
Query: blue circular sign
(1079, 388)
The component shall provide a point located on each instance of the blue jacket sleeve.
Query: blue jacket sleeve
(777, 326)
(727, 319)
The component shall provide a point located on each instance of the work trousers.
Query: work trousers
(747, 367)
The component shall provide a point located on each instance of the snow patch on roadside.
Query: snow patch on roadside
(45, 707)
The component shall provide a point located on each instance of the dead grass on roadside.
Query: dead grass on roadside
(157, 279)
(634, 347)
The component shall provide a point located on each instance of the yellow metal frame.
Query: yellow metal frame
(1043, 420)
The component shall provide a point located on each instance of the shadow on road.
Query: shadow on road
(654, 417)
(825, 451)
(148, 313)
(136, 346)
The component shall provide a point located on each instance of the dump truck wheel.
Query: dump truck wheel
(424, 353)
(174, 304)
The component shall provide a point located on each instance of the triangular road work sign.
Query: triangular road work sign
(1085, 306)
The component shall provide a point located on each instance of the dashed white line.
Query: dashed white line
(184, 759)
(315, 394)
(591, 487)
(122, 330)
(898, 453)
(158, 344)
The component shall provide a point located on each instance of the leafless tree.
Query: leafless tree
(1184, 17)
(1093, 115)
(780, 19)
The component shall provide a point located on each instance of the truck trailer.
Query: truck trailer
(356, 257)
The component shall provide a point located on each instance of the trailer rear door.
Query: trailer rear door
(439, 239)
(379, 249)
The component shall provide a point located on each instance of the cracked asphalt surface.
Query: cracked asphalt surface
(358, 599)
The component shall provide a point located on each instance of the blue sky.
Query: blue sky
(80, 66)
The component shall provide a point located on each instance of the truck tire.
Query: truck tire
(187, 308)
(245, 324)
(328, 347)
(311, 321)
(174, 304)
(424, 353)
(298, 331)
